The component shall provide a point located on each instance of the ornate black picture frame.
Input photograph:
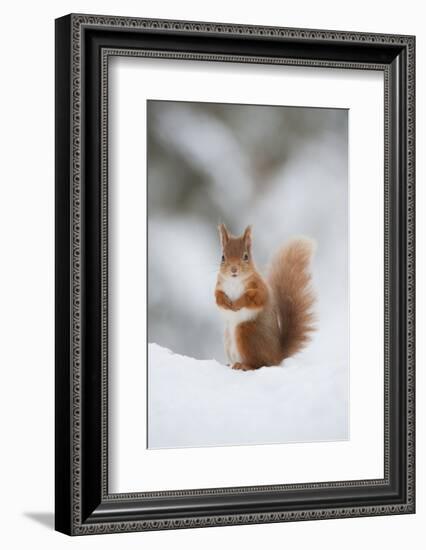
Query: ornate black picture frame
(84, 44)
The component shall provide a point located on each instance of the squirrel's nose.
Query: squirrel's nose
(234, 269)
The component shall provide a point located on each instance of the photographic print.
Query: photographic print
(248, 290)
(234, 296)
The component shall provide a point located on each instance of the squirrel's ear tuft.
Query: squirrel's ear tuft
(223, 233)
(247, 237)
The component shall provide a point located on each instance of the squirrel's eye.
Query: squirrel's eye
(223, 258)
(245, 257)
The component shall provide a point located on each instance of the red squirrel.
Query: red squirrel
(267, 320)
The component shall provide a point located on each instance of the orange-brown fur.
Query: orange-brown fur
(291, 280)
(278, 310)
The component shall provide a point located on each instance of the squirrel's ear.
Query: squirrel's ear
(223, 233)
(247, 237)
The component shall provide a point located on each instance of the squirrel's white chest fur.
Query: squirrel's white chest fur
(234, 288)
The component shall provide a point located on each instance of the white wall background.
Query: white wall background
(26, 289)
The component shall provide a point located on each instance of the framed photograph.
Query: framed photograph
(234, 274)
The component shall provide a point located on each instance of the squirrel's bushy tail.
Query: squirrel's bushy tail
(290, 280)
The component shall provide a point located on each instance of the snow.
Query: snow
(197, 403)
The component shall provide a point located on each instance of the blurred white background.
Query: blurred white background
(282, 169)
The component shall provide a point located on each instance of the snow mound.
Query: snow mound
(197, 403)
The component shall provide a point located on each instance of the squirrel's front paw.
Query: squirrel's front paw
(222, 300)
(254, 297)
